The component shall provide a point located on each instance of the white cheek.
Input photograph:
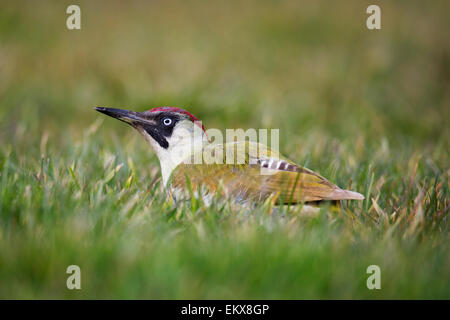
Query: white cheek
(179, 148)
(182, 143)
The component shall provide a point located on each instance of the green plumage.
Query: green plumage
(249, 171)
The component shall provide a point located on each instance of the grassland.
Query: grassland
(367, 109)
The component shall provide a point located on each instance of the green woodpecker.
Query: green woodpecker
(245, 171)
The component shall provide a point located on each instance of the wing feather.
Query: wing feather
(260, 174)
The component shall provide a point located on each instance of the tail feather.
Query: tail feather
(340, 194)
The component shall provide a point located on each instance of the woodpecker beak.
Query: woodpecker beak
(130, 117)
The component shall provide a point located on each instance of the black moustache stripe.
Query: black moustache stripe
(157, 136)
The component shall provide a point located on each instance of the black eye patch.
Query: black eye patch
(163, 128)
(166, 122)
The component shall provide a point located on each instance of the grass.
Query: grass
(366, 109)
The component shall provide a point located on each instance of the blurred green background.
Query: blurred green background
(367, 109)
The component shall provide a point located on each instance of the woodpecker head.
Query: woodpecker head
(173, 133)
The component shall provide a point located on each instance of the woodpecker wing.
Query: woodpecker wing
(249, 170)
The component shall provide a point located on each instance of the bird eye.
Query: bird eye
(167, 121)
